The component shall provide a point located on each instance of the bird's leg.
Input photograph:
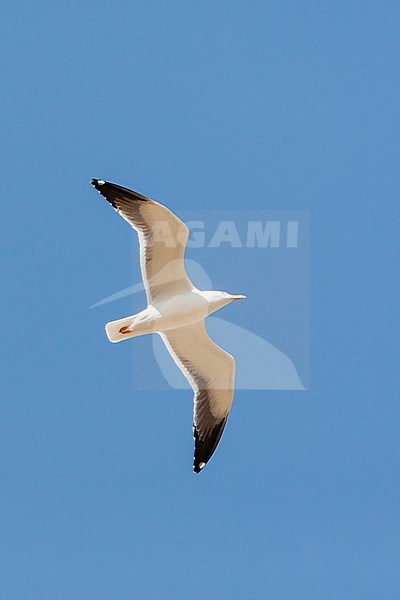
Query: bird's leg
(125, 329)
(137, 324)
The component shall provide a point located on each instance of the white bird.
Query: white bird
(176, 310)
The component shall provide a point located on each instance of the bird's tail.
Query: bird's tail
(113, 330)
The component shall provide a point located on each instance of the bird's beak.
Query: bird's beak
(238, 297)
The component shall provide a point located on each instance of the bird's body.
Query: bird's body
(167, 313)
(176, 310)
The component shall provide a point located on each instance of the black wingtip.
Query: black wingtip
(113, 192)
(204, 448)
(199, 467)
(97, 183)
(110, 191)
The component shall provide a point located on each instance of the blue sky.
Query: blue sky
(201, 105)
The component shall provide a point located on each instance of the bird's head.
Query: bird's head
(219, 299)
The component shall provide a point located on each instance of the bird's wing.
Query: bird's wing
(162, 239)
(211, 373)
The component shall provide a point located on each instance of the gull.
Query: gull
(176, 310)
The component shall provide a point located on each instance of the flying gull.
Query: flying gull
(176, 310)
